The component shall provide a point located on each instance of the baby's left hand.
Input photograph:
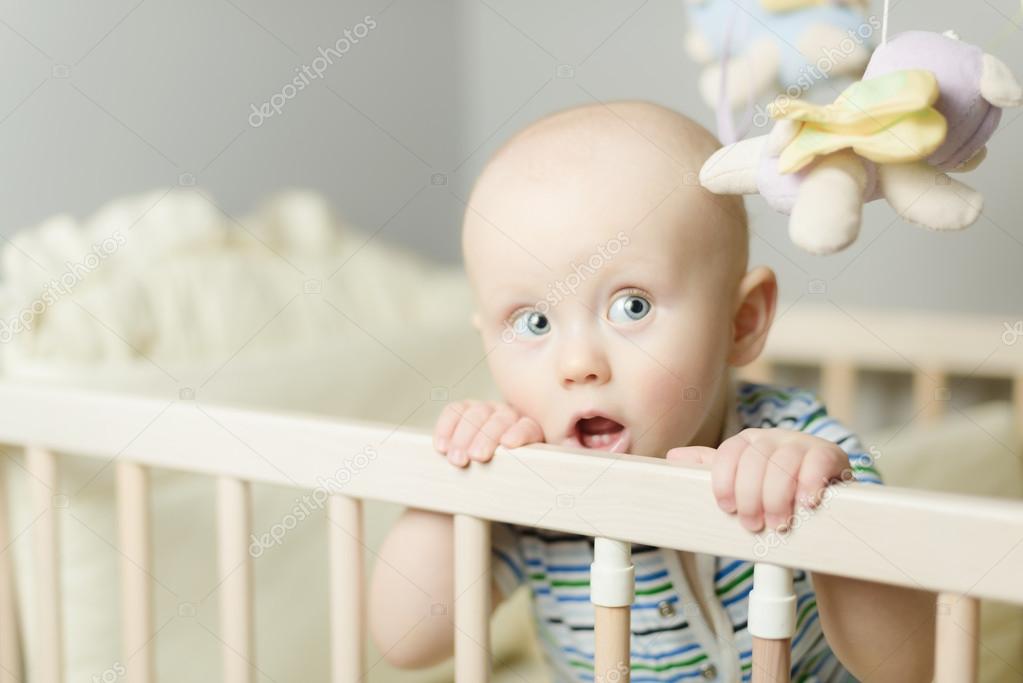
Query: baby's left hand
(762, 473)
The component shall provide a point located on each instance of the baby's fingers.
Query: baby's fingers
(780, 481)
(446, 423)
(749, 488)
(482, 447)
(468, 427)
(723, 471)
(691, 455)
(523, 432)
(820, 466)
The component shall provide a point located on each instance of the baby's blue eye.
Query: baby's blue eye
(628, 307)
(531, 322)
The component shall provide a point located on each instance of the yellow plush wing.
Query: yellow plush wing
(886, 119)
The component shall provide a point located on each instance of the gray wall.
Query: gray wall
(123, 97)
(128, 96)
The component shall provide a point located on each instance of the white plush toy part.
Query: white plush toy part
(927, 105)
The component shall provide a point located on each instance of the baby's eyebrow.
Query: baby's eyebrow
(503, 301)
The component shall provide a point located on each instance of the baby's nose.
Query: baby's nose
(584, 366)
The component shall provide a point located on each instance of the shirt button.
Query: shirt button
(665, 608)
(709, 671)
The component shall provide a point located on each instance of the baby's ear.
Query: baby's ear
(757, 298)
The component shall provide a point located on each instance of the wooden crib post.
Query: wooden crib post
(136, 563)
(957, 638)
(46, 663)
(772, 622)
(612, 591)
(838, 385)
(1017, 404)
(347, 594)
(234, 526)
(472, 599)
(930, 398)
(10, 646)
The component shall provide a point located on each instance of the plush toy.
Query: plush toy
(766, 42)
(927, 105)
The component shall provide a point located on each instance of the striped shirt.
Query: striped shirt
(671, 638)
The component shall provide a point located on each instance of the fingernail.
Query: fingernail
(474, 454)
(457, 456)
(441, 443)
(752, 523)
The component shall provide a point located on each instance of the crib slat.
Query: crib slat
(234, 526)
(612, 640)
(772, 622)
(47, 659)
(1017, 404)
(612, 592)
(347, 606)
(772, 660)
(10, 647)
(472, 599)
(133, 524)
(956, 647)
(838, 386)
(930, 398)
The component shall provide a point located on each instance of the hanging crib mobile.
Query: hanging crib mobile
(927, 105)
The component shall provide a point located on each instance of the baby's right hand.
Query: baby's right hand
(472, 430)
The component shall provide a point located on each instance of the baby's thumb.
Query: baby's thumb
(691, 455)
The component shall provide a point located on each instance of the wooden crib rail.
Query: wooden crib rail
(820, 334)
(895, 536)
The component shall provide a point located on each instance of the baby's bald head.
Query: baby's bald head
(589, 171)
(605, 275)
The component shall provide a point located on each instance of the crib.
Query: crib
(963, 548)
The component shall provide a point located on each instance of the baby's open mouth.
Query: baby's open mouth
(601, 433)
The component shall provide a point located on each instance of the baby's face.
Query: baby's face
(605, 288)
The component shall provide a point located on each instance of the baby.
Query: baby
(613, 299)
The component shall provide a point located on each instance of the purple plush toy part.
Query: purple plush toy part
(825, 197)
(958, 67)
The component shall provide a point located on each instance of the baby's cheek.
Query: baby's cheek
(519, 390)
(659, 396)
(677, 399)
(663, 387)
